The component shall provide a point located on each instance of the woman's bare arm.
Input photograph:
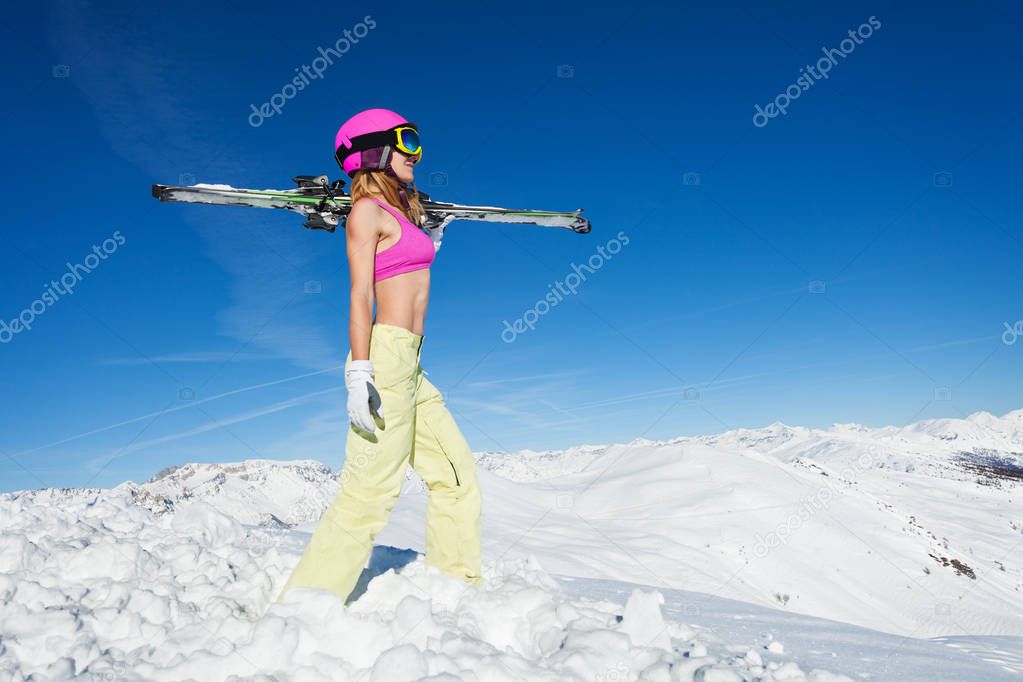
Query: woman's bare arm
(362, 233)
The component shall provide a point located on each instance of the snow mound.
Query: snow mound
(102, 588)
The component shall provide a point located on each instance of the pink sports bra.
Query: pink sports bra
(414, 249)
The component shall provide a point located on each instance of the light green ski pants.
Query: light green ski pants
(418, 429)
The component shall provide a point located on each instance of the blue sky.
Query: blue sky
(855, 259)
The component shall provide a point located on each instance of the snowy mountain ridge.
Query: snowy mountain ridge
(939, 444)
(981, 447)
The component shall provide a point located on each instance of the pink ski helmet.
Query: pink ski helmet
(367, 140)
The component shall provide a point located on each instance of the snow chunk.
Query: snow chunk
(642, 620)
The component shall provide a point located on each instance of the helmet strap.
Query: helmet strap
(384, 162)
(389, 172)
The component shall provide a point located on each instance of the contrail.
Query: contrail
(177, 408)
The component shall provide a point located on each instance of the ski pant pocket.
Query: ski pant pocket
(443, 451)
(441, 455)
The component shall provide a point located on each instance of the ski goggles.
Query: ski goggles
(407, 141)
(404, 138)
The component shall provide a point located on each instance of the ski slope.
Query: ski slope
(774, 553)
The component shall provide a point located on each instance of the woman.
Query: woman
(397, 416)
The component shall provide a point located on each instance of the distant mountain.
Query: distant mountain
(256, 491)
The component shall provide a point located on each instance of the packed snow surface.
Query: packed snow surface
(760, 554)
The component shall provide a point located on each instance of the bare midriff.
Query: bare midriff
(401, 300)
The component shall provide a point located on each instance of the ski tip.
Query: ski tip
(157, 190)
(582, 225)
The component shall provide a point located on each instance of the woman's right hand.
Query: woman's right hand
(363, 397)
(436, 231)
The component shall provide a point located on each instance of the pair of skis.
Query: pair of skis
(325, 205)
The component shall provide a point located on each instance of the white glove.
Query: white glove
(363, 397)
(436, 232)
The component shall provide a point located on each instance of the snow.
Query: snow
(781, 553)
(105, 589)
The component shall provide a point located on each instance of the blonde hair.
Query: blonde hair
(379, 185)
